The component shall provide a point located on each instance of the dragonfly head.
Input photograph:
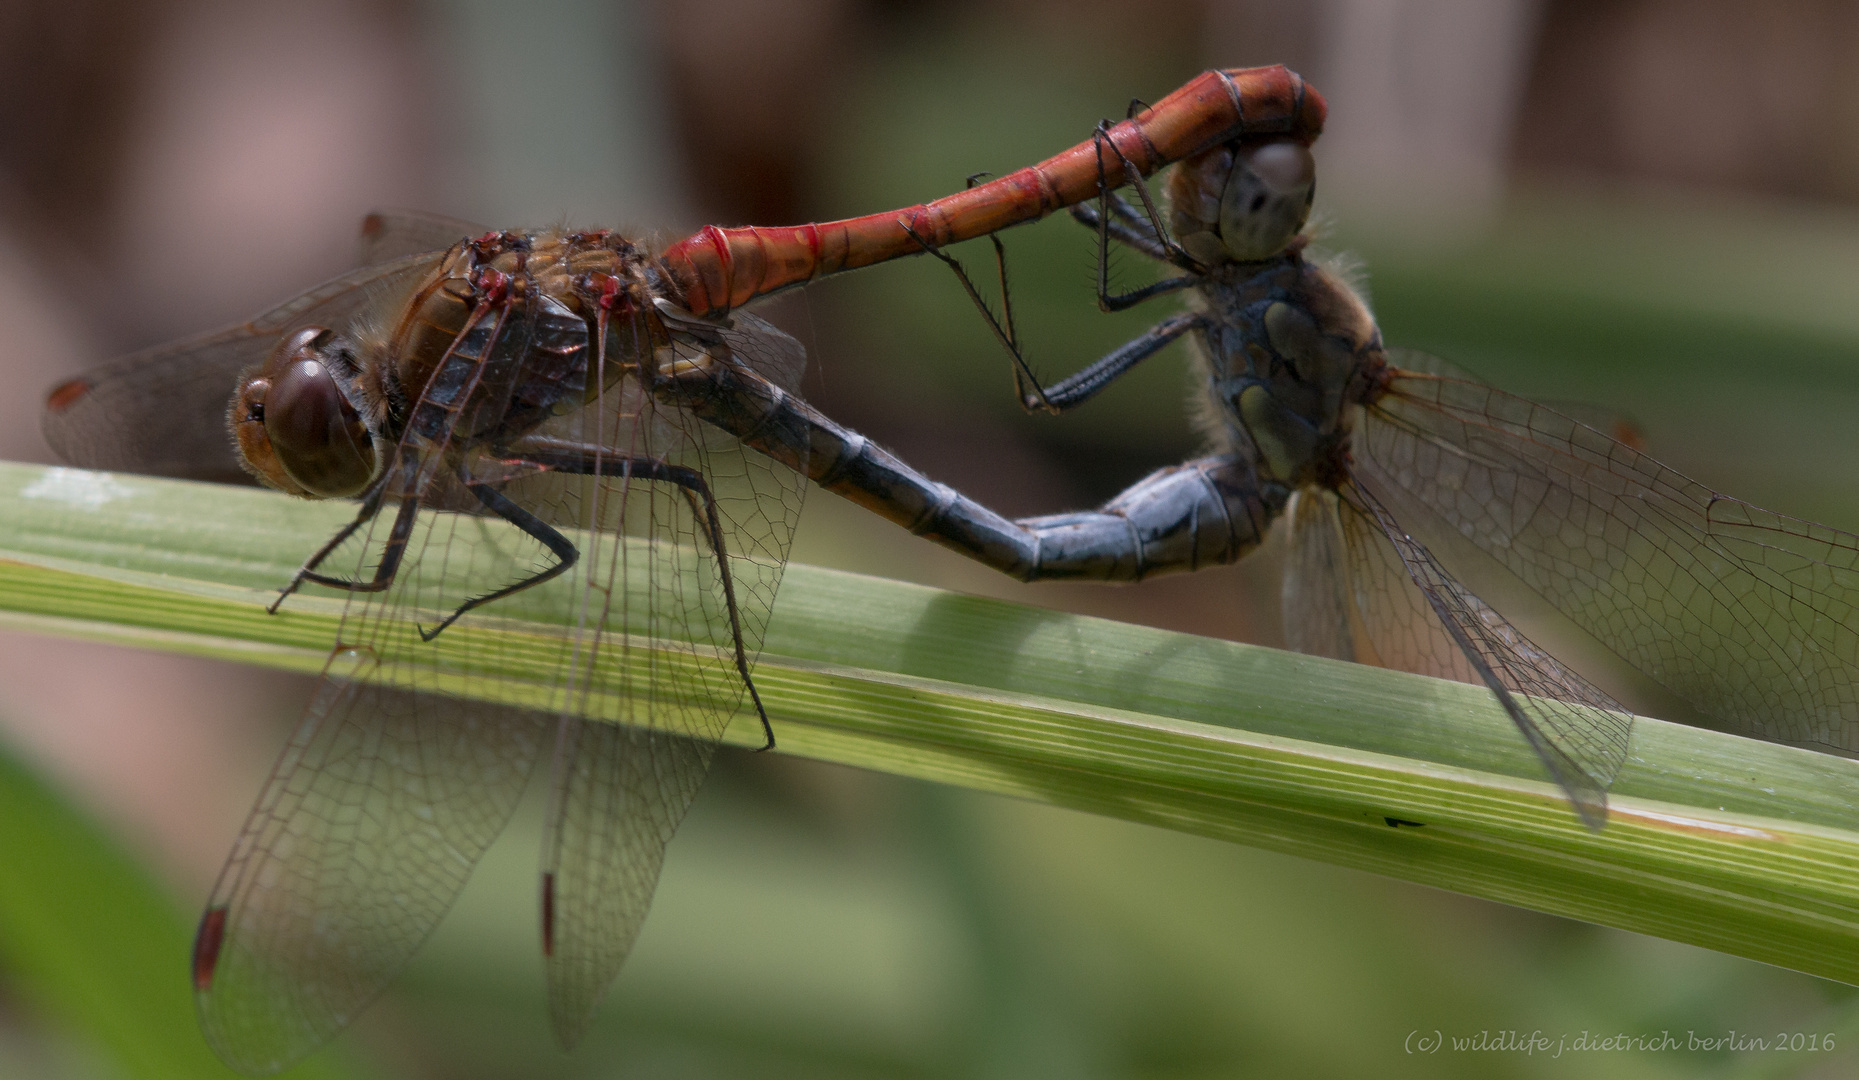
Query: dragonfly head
(1242, 201)
(295, 427)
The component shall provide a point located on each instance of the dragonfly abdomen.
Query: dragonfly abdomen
(1202, 513)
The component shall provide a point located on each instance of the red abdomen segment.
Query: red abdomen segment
(719, 269)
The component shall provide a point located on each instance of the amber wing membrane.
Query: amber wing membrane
(1359, 587)
(1746, 614)
(629, 660)
(1316, 596)
(1423, 619)
(162, 411)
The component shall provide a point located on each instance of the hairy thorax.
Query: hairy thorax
(1291, 353)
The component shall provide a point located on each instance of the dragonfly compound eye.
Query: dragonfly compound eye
(318, 436)
(295, 428)
(1266, 199)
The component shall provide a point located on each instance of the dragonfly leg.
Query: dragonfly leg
(384, 571)
(1155, 242)
(1169, 251)
(1026, 386)
(1120, 208)
(566, 457)
(1125, 226)
(1081, 387)
(1124, 301)
(566, 554)
(1204, 512)
(1075, 390)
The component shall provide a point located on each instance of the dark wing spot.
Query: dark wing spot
(66, 394)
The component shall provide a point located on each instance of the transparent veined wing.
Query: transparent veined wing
(162, 411)
(369, 826)
(1578, 731)
(635, 661)
(386, 235)
(1744, 613)
(620, 788)
(1316, 593)
(1359, 587)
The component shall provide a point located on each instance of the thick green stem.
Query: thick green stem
(1714, 840)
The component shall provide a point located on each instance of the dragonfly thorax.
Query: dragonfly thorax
(497, 340)
(559, 295)
(1291, 354)
(1287, 341)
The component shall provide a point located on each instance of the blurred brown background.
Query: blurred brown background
(1648, 204)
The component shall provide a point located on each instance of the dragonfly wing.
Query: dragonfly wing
(1316, 604)
(1615, 424)
(1349, 596)
(684, 575)
(1577, 730)
(391, 234)
(682, 538)
(392, 787)
(1399, 628)
(162, 411)
(1746, 614)
(619, 792)
(375, 815)
(773, 354)
(636, 657)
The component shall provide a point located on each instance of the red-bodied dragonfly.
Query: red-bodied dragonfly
(561, 419)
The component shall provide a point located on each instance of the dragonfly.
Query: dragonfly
(572, 456)
(1390, 469)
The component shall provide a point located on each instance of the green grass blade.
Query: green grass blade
(1714, 840)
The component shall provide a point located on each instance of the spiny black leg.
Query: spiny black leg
(1077, 389)
(1140, 242)
(708, 513)
(1135, 222)
(1159, 288)
(389, 565)
(1000, 265)
(1177, 254)
(566, 554)
(1105, 301)
(1098, 139)
(1009, 338)
(1121, 207)
(390, 557)
(370, 506)
(1086, 384)
(1161, 247)
(1023, 377)
(589, 461)
(1120, 229)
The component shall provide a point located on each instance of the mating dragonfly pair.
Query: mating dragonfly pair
(594, 436)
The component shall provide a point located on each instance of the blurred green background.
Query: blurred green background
(1645, 206)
